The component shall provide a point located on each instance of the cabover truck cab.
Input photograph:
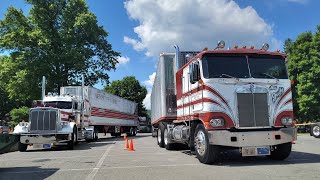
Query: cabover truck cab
(215, 100)
(78, 113)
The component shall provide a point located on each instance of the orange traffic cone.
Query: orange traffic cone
(125, 137)
(126, 145)
(131, 148)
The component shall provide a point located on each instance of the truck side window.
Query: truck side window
(194, 73)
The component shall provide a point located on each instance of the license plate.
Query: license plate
(41, 146)
(255, 151)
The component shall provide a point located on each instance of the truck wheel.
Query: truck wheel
(166, 140)
(153, 132)
(281, 151)
(74, 139)
(316, 130)
(160, 136)
(205, 152)
(22, 147)
(96, 135)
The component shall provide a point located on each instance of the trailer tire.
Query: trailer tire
(205, 152)
(133, 131)
(96, 134)
(22, 147)
(281, 151)
(316, 130)
(167, 145)
(160, 138)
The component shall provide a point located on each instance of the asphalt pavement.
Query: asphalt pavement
(107, 159)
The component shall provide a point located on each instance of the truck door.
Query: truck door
(195, 95)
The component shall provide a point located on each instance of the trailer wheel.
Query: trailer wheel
(167, 145)
(316, 130)
(205, 152)
(160, 138)
(22, 147)
(281, 151)
(96, 134)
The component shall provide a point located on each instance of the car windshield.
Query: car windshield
(269, 67)
(59, 104)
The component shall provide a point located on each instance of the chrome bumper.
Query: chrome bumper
(43, 138)
(252, 138)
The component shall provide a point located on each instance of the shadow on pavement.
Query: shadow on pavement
(234, 158)
(102, 141)
(26, 173)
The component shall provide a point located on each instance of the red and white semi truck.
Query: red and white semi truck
(220, 99)
(78, 113)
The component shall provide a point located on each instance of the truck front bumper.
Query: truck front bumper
(252, 138)
(54, 139)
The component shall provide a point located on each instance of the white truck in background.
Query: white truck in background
(78, 113)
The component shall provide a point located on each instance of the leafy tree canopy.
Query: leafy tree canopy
(59, 39)
(304, 69)
(130, 88)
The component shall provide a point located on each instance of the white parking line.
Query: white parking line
(32, 159)
(98, 166)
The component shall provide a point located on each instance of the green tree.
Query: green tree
(130, 89)
(303, 65)
(19, 114)
(59, 39)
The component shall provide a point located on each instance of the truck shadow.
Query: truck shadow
(234, 159)
(26, 173)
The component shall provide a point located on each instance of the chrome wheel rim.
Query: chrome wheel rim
(165, 135)
(200, 143)
(316, 131)
(159, 136)
(74, 137)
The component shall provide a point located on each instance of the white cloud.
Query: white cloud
(138, 46)
(298, 1)
(122, 60)
(147, 101)
(150, 81)
(149, 84)
(195, 24)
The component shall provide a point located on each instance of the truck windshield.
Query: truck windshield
(225, 67)
(266, 67)
(59, 104)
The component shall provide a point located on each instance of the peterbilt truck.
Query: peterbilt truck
(78, 113)
(222, 99)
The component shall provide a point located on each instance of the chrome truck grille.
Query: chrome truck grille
(43, 120)
(253, 109)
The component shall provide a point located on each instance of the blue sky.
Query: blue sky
(141, 29)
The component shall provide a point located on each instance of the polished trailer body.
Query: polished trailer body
(163, 104)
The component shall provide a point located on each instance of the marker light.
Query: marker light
(236, 47)
(251, 47)
(221, 44)
(265, 46)
(244, 47)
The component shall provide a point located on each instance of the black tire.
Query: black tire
(281, 151)
(153, 132)
(160, 138)
(205, 152)
(22, 147)
(96, 134)
(74, 139)
(166, 140)
(315, 129)
(133, 131)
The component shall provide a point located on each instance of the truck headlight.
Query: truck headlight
(63, 124)
(287, 121)
(217, 122)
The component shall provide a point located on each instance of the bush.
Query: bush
(19, 114)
